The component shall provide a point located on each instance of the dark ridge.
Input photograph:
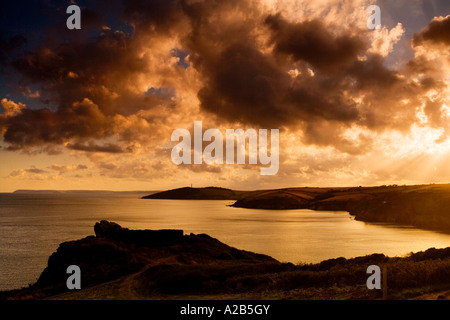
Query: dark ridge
(150, 238)
(208, 193)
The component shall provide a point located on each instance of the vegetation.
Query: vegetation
(331, 279)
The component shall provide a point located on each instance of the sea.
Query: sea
(32, 225)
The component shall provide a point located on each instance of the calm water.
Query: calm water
(32, 227)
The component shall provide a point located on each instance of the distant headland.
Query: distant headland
(423, 206)
(78, 192)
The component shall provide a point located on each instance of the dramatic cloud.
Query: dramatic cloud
(312, 42)
(93, 147)
(138, 70)
(438, 31)
(306, 75)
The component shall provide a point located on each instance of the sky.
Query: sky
(95, 108)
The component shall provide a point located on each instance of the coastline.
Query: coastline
(422, 206)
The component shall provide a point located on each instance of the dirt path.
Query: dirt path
(119, 289)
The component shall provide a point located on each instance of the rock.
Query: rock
(103, 228)
(151, 238)
(100, 259)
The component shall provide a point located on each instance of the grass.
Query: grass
(331, 279)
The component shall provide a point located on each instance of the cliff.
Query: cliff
(424, 206)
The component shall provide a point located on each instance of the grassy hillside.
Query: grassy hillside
(426, 206)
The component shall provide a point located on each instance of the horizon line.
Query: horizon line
(143, 191)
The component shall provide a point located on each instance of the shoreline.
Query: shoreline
(422, 206)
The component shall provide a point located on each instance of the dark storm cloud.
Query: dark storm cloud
(438, 31)
(349, 85)
(312, 42)
(242, 83)
(70, 71)
(92, 19)
(435, 36)
(159, 14)
(93, 147)
(9, 46)
(85, 84)
(34, 127)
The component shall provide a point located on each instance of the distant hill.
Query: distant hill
(80, 192)
(208, 193)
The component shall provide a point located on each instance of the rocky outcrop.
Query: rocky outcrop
(150, 238)
(117, 251)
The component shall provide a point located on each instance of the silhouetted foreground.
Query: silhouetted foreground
(119, 263)
(424, 206)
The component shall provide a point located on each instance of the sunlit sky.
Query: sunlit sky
(95, 108)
